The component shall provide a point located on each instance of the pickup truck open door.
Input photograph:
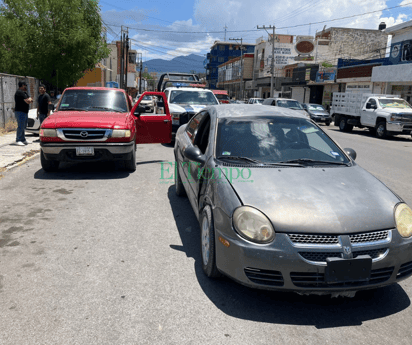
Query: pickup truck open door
(156, 127)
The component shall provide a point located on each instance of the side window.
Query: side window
(167, 94)
(372, 102)
(202, 135)
(193, 126)
(273, 102)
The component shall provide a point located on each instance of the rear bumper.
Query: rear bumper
(64, 152)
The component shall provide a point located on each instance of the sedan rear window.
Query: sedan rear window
(276, 139)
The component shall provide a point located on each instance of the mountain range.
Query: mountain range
(182, 64)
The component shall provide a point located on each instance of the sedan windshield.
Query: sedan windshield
(289, 104)
(94, 100)
(316, 107)
(271, 140)
(193, 97)
(394, 103)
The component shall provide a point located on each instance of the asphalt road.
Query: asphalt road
(95, 255)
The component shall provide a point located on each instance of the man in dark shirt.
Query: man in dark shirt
(21, 111)
(43, 104)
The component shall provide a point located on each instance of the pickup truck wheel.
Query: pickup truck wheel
(207, 241)
(343, 125)
(180, 190)
(327, 123)
(48, 166)
(381, 132)
(130, 165)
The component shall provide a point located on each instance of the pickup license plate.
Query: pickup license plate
(349, 270)
(84, 151)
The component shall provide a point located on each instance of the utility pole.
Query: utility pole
(225, 27)
(272, 65)
(140, 72)
(121, 79)
(241, 64)
(127, 58)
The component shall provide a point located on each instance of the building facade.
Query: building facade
(220, 53)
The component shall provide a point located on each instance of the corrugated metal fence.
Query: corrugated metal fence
(8, 87)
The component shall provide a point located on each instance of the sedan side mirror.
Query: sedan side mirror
(194, 154)
(351, 153)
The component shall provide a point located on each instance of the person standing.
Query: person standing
(21, 111)
(43, 104)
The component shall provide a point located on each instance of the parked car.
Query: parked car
(97, 123)
(148, 101)
(286, 103)
(317, 113)
(281, 206)
(221, 96)
(33, 123)
(255, 101)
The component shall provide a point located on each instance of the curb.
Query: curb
(19, 162)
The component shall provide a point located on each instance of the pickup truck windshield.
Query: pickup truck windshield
(394, 103)
(94, 100)
(193, 97)
(289, 104)
(315, 107)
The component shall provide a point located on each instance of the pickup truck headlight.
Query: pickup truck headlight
(48, 132)
(253, 225)
(175, 118)
(121, 133)
(403, 219)
(396, 117)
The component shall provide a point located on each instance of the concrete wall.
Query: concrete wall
(350, 43)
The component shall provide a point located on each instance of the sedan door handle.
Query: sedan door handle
(166, 120)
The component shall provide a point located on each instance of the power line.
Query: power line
(255, 30)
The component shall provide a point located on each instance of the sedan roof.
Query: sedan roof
(239, 110)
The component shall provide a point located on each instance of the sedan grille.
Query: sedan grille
(405, 270)
(313, 239)
(317, 279)
(264, 277)
(319, 256)
(369, 236)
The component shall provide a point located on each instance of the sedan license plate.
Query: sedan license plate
(349, 270)
(84, 151)
(175, 122)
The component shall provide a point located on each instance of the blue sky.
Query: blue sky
(175, 28)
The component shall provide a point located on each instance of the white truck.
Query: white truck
(384, 115)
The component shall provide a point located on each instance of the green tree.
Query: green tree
(56, 41)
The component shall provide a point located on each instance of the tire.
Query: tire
(327, 123)
(207, 243)
(381, 132)
(343, 125)
(180, 189)
(130, 165)
(48, 166)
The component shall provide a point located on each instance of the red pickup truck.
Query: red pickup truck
(98, 123)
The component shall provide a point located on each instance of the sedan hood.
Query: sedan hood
(319, 112)
(89, 119)
(329, 200)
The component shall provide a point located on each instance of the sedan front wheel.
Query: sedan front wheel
(207, 237)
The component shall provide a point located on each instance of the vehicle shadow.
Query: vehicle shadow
(281, 307)
(367, 133)
(84, 171)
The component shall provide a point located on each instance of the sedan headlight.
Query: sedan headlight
(403, 219)
(253, 225)
(48, 132)
(121, 133)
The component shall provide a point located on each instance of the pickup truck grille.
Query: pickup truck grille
(84, 134)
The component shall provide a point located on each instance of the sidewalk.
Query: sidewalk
(12, 155)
